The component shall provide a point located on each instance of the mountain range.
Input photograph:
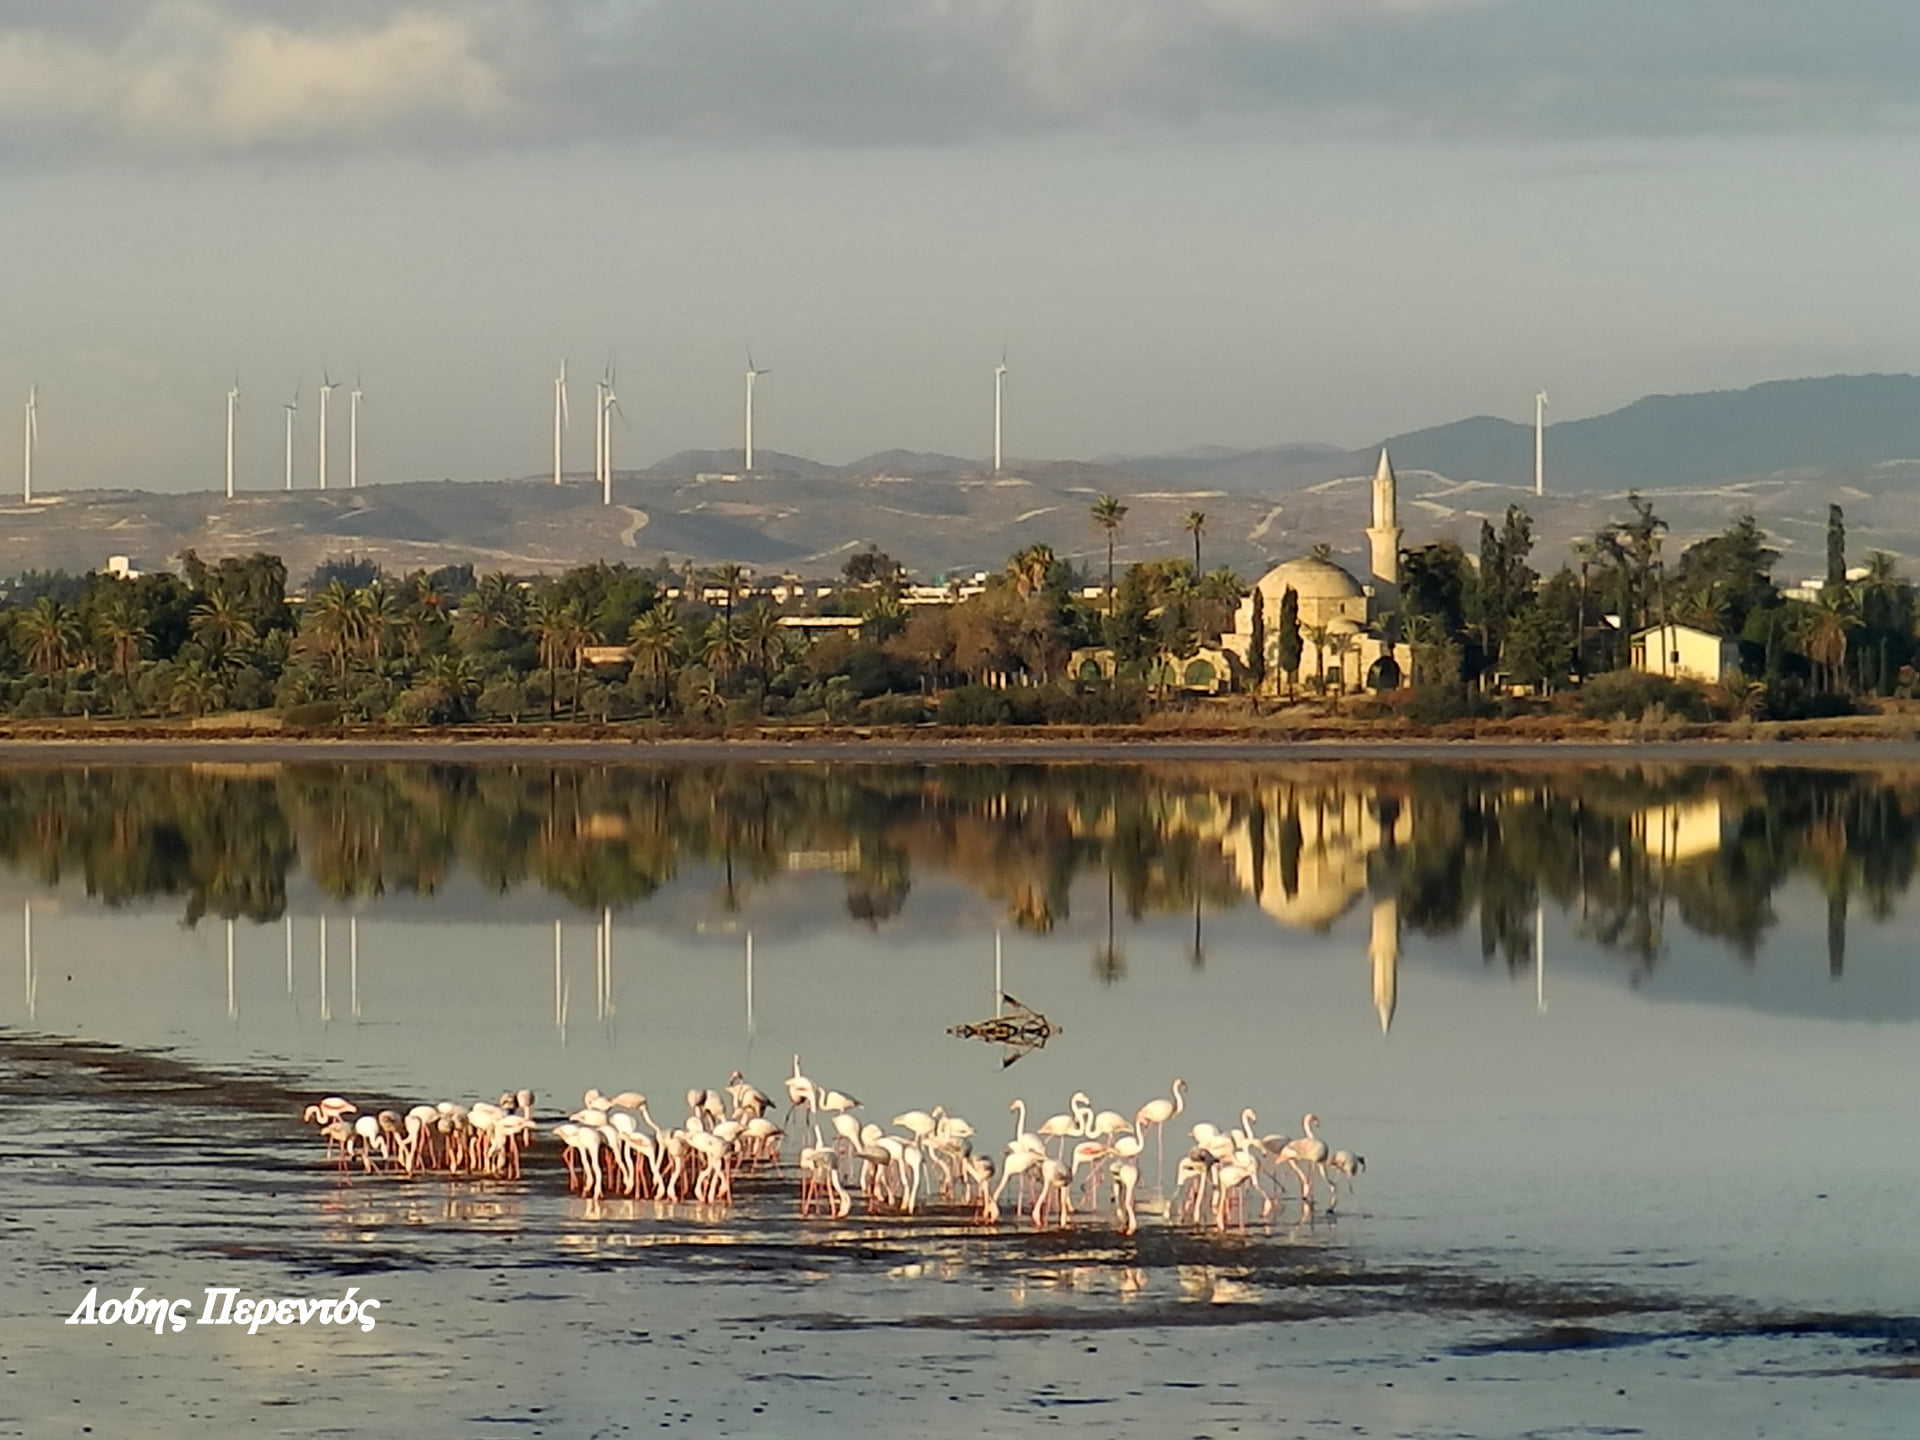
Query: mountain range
(1781, 450)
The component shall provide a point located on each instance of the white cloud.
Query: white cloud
(185, 77)
(222, 75)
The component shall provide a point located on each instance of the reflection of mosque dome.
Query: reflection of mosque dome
(1325, 894)
(1312, 578)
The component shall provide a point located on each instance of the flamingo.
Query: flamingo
(1310, 1149)
(1126, 1178)
(1157, 1113)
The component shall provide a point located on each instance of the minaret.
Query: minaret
(1383, 536)
(1383, 949)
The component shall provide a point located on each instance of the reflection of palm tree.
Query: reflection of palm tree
(1108, 963)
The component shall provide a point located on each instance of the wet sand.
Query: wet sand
(512, 1305)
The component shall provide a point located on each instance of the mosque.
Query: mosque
(1340, 637)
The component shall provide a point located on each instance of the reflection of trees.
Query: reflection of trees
(1626, 849)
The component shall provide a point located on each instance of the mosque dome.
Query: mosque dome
(1312, 578)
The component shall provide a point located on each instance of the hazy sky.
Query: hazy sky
(1225, 221)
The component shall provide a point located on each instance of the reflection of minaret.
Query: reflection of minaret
(1384, 950)
(1383, 536)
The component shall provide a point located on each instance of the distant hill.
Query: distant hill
(1781, 451)
(1834, 426)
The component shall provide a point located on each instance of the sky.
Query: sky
(1232, 222)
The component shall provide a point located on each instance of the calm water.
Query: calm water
(1633, 1055)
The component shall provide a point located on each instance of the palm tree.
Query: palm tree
(453, 680)
(220, 624)
(1826, 641)
(1195, 525)
(195, 691)
(1031, 568)
(126, 638)
(334, 615)
(722, 650)
(49, 635)
(764, 637)
(731, 577)
(556, 626)
(379, 618)
(493, 605)
(1108, 512)
(654, 639)
(1318, 635)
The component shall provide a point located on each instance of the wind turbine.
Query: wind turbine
(32, 441)
(327, 387)
(561, 419)
(292, 410)
(600, 388)
(233, 401)
(1540, 443)
(609, 407)
(354, 397)
(999, 389)
(752, 375)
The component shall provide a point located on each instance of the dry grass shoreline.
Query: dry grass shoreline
(1860, 739)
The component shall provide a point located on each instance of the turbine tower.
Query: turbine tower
(600, 388)
(354, 397)
(752, 375)
(561, 419)
(999, 389)
(292, 410)
(233, 401)
(32, 442)
(1540, 443)
(327, 387)
(609, 407)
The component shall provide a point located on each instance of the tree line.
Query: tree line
(615, 642)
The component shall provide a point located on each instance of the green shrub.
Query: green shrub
(1787, 697)
(312, 715)
(895, 710)
(975, 705)
(36, 705)
(1629, 694)
(1095, 704)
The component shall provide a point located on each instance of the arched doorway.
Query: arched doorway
(1384, 674)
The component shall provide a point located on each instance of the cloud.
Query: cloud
(191, 77)
(173, 77)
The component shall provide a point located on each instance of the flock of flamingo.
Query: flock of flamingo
(613, 1146)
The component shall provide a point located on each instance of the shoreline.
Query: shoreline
(850, 747)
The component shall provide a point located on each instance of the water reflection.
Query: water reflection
(1425, 849)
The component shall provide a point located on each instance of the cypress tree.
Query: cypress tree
(1836, 547)
(1287, 647)
(1257, 650)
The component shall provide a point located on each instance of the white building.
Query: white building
(1681, 652)
(1339, 640)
